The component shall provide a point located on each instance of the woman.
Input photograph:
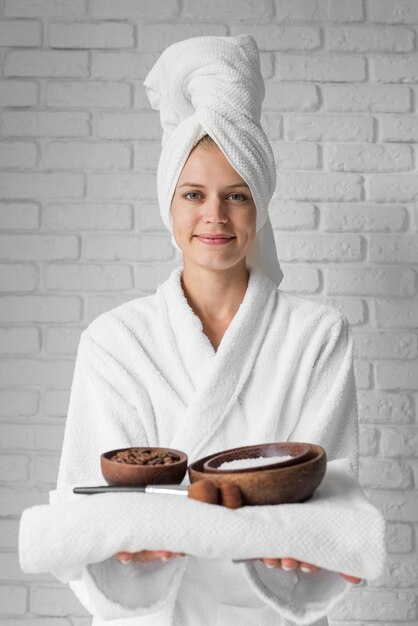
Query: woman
(217, 357)
(215, 275)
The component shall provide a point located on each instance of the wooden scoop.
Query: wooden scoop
(205, 490)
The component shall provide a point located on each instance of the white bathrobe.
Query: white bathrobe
(147, 375)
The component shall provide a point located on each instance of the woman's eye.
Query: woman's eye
(196, 193)
(188, 194)
(239, 194)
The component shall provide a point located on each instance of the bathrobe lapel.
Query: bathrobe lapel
(211, 381)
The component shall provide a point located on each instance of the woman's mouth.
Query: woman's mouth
(215, 241)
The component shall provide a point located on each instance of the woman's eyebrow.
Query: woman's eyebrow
(227, 186)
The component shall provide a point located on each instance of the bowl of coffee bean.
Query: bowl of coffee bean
(143, 466)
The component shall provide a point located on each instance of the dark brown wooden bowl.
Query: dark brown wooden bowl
(116, 473)
(299, 452)
(295, 483)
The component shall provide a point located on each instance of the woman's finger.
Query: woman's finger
(351, 579)
(308, 567)
(289, 564)
(271, 562)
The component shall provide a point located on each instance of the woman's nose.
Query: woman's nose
(215, 209)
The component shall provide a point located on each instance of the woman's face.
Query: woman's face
(212, 198)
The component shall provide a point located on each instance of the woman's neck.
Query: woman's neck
(215, 295)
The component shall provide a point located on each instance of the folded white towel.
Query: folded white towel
(213, 85)
(337, 529)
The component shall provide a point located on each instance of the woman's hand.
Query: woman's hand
(289, 564)
(143, 556)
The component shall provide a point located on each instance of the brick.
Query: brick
(393, 248)
(121, 65)
(91, 35)
(18, 277)
(56, 601)
(400, 572)
(142, 125)
(88, 94)
(278, 37)
(368, 448)
(148, 218)
(13, 600)
(17, 436)
(369, 39)
(14, 468)
(389, 345)
(17, 93)
(9, 530)
(55, 309)
(399, 128)
(353, 309)
(56, 402)
(18, 402)
(320, 10)
(13, 503)
(326, 68)
(320, 186)
(46, 123)
(45, 468)
(329, 128)
(381, 604)
(399, 12)
(397, 375)
(398, 538)
(381, 407)
(63, 340)
(87, 216)
(362, 218)
(20, 33)
(96, 305)
(124, 186)
(362, 374)
(252, 10)
(19, 215)
(87, 156)
(26, 371)
(368, 158)
(394, 69)
(146, 155)
(373, 98)
(18, 154)
(296, 156)
(58, 63)
(399, 442)
(41, 185)
(299, 98)
(128, 248)
(392, 281)
(272, 124)
(87, 277)
(393, 187)
(156, 38)
(148, 277)
(317, 247)
(70, 9)
(19, 340)
(39, 247)
(385, 474)
(299, 279)
(125, 9)
(389, 314)
(293, 216)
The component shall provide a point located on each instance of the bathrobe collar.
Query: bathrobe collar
(212, 380)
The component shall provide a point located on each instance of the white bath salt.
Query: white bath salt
(253, 462)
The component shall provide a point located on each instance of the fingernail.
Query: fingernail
(305, 569)
(125, 561)
(165, 558)
(359, 584)
(287, 568)
(269, 565)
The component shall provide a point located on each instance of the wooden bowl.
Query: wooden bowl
(116, 473)
(299, 452)
(295, 483)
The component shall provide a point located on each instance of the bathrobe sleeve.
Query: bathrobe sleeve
(97, 416)
(329, 418)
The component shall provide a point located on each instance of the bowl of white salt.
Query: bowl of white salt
(264, 475)
(252, 458)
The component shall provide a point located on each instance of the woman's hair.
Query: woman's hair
(206, 142)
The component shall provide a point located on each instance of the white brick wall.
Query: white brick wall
(80, 230)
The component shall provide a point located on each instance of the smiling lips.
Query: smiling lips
(215, 239)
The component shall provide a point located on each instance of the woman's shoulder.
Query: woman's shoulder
(307, 311)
